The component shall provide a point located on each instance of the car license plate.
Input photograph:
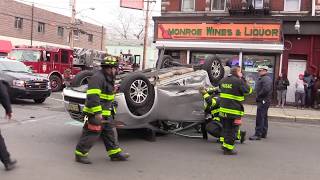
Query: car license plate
(73, 107)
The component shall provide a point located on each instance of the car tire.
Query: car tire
(214, 68)
(139, 93)
(39, 101)
(166, 62)
(56, 83)
(81, 78)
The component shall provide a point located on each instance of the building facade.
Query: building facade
(23, 24)
(281, 34)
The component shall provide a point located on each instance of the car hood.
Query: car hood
(23, 76)
(82, 88)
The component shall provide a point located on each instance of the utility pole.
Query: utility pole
(32, 15)
(102, 38)
(146, 28)
(73, 20)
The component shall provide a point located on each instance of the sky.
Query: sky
(106, 12)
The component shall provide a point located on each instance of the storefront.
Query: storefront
(245, 43)
(301, 49)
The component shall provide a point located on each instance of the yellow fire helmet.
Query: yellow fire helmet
(109, 61)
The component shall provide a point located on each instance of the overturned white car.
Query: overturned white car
(163, 100)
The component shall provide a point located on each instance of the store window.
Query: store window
(174, 54)
(250, 64)
(76, 35)
(18, 22)
(257, 4)
(200, 57)
(90, 37)
(218, 5)
(188, 5)
(292, 5)
(41, 27)
(60, 31)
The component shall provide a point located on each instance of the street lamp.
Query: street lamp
(91, 8)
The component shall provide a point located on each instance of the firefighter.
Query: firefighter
(5, 158)
(100, 109)
(233, 89)
(213, 123)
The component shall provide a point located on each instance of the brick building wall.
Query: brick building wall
(10, 9)
(275, 5)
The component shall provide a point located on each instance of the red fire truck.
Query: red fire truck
(52, 62)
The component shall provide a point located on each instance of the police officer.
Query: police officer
(264, 95)
(211, 108)
(99, 111)
(9, 163)
(233, 89)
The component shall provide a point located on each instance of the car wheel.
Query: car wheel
(81, 78)
(139, 93)
(166, 62)
(56, 83)
(39, 101)
(214, 68)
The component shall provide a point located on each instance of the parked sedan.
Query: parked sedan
(22, 83)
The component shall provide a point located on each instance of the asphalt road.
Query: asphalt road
(43, 137)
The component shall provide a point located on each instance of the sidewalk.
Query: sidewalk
(290, 114)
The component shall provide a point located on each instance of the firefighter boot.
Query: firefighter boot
(229, 152)
(83, 159)
(243, 136)
(119, 157)
(10, 165)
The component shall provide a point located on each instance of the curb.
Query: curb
(292, 119)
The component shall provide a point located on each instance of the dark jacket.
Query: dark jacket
(4, 98)
(100, 95)
(282, 84)
(264, 89)
(233, 90)
(309, 80)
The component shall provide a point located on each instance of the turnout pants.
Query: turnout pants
(229, 133)
(89, 136)
(4, 154)
(214, 128)
(262, 119)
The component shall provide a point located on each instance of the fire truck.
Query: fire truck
(52, 62)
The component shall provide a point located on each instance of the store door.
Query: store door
(295, 67)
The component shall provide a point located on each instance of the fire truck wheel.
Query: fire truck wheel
(214, 68)
(39, 101)
(56, 83)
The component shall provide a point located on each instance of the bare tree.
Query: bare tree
(127, 26)
(139, 34)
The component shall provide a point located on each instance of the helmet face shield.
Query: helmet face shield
(109, 61)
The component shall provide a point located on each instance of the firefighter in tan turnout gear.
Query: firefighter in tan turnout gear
(99, 111)
(233, 89)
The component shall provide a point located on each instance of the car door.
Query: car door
(180, 99)
(65, 60)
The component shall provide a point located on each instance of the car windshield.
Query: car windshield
(13, 66)
(25, 55)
